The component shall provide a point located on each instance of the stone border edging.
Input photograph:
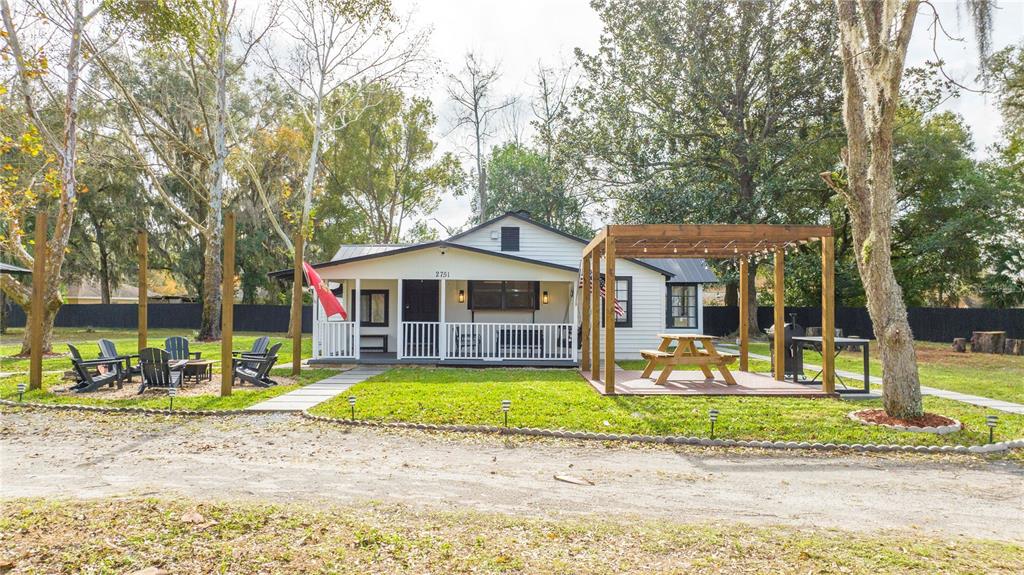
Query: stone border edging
(672, 439)
(134, 410)
(940, 430)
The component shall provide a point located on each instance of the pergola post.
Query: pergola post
(595, 314)
(227, 314)
(780, 317)
(296, 314)
(744, 303)
(35, 376)
(143, 290)
(609, 314)
(828, 315)
(585, 339)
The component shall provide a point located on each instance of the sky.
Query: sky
(519, 34)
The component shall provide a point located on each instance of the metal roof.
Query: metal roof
(9, 269)
(684, 270)
(347, 251)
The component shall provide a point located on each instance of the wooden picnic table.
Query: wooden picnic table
(687, 353)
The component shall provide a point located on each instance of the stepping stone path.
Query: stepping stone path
(319, 392)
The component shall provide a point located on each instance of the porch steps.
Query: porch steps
(319, 392)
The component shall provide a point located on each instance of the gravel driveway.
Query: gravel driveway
(279, 458)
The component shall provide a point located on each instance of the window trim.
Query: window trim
(503, 307)
(628, 322)
(363, 322)
(502, 239)
(669, 324)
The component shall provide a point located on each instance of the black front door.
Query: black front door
(419, 300)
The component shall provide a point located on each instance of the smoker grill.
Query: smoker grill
(794, 356)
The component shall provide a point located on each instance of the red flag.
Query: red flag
(328, 301)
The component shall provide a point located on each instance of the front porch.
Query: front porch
(391, 358)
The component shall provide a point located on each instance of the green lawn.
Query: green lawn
(127, 343)
(180, 536)
(560, 399)
(987, 375)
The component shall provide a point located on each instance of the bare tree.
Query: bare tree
(472, 91)
(32, 78)
(874, 37)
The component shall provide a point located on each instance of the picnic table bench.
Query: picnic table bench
(687, 353)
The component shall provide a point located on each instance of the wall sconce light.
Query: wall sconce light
(545, 298)
(462, 296)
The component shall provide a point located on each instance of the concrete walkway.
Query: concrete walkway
(998, 405)
(315, 393)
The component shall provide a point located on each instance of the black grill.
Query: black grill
(794, 357)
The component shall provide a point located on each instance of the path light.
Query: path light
(991, 421)
(21, 391)
(171, 392)
(713, 415)
(505, 406)
(352, 404)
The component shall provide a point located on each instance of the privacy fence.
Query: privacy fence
(928, 324)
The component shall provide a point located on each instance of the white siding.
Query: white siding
(535, 242)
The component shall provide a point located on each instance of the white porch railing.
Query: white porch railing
(333, 339)
(500, 341)
(420, 340)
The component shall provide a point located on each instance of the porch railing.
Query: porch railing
(499, 341)
(420, 340)
(333, 339)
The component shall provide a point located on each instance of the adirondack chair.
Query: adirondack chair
(177, 346)
(108, 350)
(259, 350)
(156, 370)
(88, 378)
(256, 375)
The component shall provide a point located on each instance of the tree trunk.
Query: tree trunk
(753, 328)
(209, 328)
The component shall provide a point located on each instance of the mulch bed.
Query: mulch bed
(927, 420)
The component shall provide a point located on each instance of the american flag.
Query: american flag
(619, 312)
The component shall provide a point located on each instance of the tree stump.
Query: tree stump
(813, 331)
(988, 341)
(1013, 347)
(960, 344)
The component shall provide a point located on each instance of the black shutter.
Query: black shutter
(510, 239)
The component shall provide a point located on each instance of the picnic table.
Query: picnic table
(687, 353)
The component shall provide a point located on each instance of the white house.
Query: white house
(505, 291)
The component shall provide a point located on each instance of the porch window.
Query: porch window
(624, 295)
(502, 295)
(682, 306)
(373, 307)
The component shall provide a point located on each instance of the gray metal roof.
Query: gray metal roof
(9, 269)
(684, 270)
(347, 251)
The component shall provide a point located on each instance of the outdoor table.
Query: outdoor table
(841, 343)
(686, 353)
(198, 369)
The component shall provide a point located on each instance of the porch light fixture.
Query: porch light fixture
(991, 421)
(713, 415)
(462, 296)
(505, 406)
(352, 404)
(545, 298)
(21, 391)
(171, 392)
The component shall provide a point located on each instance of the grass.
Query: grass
(560, 399)
(127, 343)
(125, 535)
(987, 375)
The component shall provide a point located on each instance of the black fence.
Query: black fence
(928, 324)
(263, 318)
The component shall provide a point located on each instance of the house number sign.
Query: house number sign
(440, 274)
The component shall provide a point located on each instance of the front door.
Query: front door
(420, 304)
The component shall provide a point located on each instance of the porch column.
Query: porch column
(595, 314)
(574, 290)
(358, 319)
(399, 346)
(442, 331)
(828, 315)
(780, 318)
(744, 303)
(585, 339)
(609, 314)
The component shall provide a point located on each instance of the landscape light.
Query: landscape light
(713, 415)
(352, 404)
(991, 421)
(171, 392)
(505, 406)
(21, 391)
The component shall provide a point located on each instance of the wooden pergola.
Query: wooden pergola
(719, 241)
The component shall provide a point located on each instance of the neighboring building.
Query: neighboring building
(504, 291)
(89, 292)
